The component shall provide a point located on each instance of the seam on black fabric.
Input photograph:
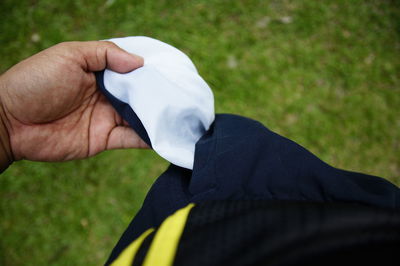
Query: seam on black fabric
(198, 197)
(214, 170)
(213, 181)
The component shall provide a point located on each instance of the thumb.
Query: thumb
(122, 137)
(98, 55)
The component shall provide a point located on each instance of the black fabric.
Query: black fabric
(168, 194)
(142, 251)
(289, 233)
(240, 159)
(123, 109)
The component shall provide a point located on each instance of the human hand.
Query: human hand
(51, 109)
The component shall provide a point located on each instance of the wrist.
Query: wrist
(6, 156)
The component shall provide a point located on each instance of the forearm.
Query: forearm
(6, 157)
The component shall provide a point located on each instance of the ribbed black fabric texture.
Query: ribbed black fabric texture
(289, 233)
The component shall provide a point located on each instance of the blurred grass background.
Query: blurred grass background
(323, 73)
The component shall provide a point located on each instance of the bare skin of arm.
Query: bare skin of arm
(51, 110)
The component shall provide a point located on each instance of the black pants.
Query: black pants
(240, 159)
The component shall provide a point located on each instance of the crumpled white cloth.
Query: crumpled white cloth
(174, 104)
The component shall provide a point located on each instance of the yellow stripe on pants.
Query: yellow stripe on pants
(128, 255)
(163, 248)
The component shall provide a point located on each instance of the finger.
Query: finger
(98, 55)
(123, 138)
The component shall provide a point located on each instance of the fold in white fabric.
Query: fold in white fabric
(174, 104)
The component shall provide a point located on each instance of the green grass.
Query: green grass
(323, 73)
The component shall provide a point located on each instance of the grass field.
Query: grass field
(323, 73)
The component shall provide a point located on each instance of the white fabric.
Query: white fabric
(174, 104)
